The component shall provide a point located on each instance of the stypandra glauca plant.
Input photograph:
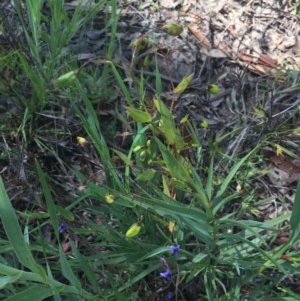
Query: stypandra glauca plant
(170, 198)
(183, 208)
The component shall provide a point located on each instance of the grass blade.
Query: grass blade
(295, 217)
(14, 234)
(48, 198)
(85, 266)
(67, 270)
(33, 293)
(231, 175)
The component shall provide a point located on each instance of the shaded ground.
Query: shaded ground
(250, 49)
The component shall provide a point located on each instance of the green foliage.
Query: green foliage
(15, 276)
(172, 189)
(14, 234)
(40, 67)
(202, 225)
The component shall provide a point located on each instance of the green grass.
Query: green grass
(167, 185)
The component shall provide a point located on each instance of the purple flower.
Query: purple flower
(62, 228)
(170, 296)
(166, 274)
(175, 249)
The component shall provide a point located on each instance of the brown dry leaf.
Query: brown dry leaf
(65, 246)
(285, 165)
(199, 36)
(214, 53)
(268, 61)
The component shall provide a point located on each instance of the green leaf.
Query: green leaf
(14, 234)
(5, 280)
(48, 197)
(23, 276)
(67, 270)
(183, 84)
(139, 115)
(280, 299)
(188, 218)
(146, 175)
(295, 217)
(123, 157)
(67, 214)
(209, 182)
(167, 125)
(200, 193)
(121, 83)
(174, 166)
(86, 268)
(140, 276)
(92, 127)
(218, 202)
(166, 188)
(32, 293)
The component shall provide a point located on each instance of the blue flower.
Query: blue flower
(166, 274)
(170, 296)
(62, 228)
(175, 249)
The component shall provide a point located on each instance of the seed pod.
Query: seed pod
(147, 60)
(134, 230)
(173, 29)
(143, 155)
(66, 79)
(213, 89)
(109, 198)
(137, 148)
(140, 44)
(204, 124)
